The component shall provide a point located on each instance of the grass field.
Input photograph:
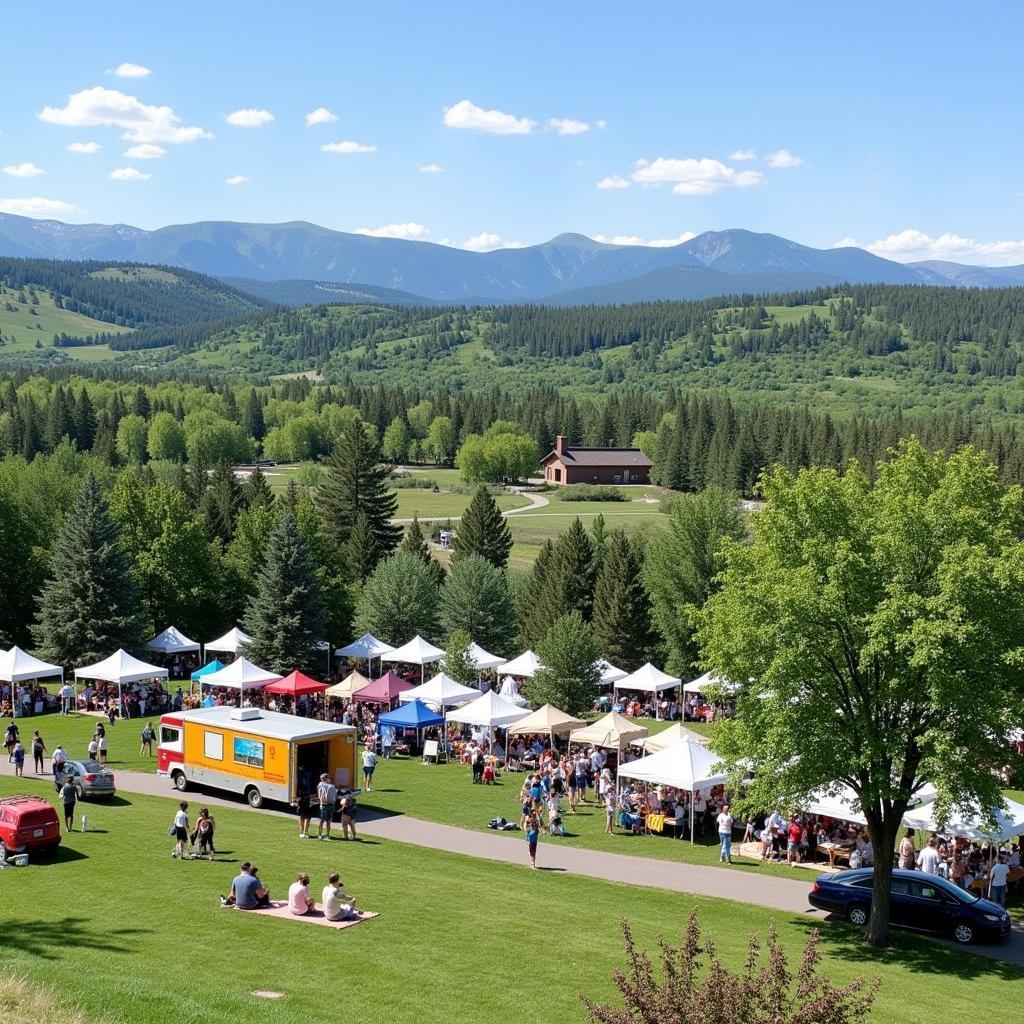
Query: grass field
(117, 927)
(21, 329)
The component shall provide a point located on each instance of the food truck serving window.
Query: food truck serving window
(248, 752)
(213, 745)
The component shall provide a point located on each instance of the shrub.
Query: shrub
(593, 492)
(696, 986)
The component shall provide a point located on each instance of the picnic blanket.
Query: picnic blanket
(279, 908)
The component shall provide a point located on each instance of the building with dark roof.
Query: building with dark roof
(570, 465)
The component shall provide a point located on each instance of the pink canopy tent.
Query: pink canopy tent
(383, 690)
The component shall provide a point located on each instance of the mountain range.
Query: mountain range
(292, 262)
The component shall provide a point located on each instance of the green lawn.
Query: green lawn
(417, 501)
(116, 926)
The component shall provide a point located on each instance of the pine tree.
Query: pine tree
(356, 481)
(285, 615)
(251, 416)
(569, 678)
(476, 597)
(483, 531)
(85, 422)
(360, 552)
(88, 607)
(256, 492)
(220, 504)
(622, 612)
(60, 421)
(415, 541)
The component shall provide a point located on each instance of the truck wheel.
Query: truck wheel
(254, 797)
(179, 781)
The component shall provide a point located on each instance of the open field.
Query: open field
(24, 324)
(125, 932)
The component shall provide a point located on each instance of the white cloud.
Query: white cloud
(25, 170)
(613, 181)
(783, 159)
(98, 107)
(693, 177)
(129, 174)
(249, 117)
(408, 230)
(130, 70)
(145, 151)
(35, 206)
(601, 124)
(845, 243)
(654, 243)
(465, 114)
(236, 179)
(84, 147)
(911, 244)
(743, 154)
(348, 146)
(320, 116)
(431, 169)
(488, 241)
(568, 126)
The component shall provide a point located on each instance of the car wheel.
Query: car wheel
(963, 932)
(858, 915)
(254, 797)
(180, 782)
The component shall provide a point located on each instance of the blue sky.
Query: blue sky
(894, 125)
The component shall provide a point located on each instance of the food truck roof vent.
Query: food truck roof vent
(245, 714)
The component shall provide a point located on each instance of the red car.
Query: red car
(28, 823)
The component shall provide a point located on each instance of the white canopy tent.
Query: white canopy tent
(510, 691)
(1006, 822)
(18, 666)
(523, 667)
(667, 737)
(121, 667)
(368, 647)
(613, 731)
(241, 675)
(489, 711)
(416, 652)
(609, 673)
(440, 692)
(647, 679)
(684, 765)
(831, 802)
(481, 659)
(172, 641)
(710, 679)
(233, 641)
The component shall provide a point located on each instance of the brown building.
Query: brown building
(570, 465)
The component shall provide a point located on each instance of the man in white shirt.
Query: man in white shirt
(58, 759)
(998, 879)
(369, 763)
(724, 820)
(67, 693)
(337, 903)
(327, 798)
(928, 860)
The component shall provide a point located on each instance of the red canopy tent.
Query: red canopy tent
(295, 685)
(383, 690)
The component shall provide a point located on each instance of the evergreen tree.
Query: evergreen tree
(360, 552)
(85, 422)
(256, 492)
(416, 542)
(220, 504)
(483, 531)
(533, 620)
(17, 571)
(356, 481)
(398, 601)
(251, 416)
(569, 678)
(285, 615)
(622, 613)
(336, 589)
(60, 421)
(88, 607)
(476, 597)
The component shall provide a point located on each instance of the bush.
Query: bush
(696, 986)
(593, 492)
(410, 482)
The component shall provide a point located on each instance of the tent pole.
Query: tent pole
(692, 796)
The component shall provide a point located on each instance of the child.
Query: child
(488, 774)
(532, 835)
(19, 758)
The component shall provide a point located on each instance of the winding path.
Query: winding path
(741, 884)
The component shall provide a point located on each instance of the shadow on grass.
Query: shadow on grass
(48, 940)
(113, 801)
(917, 953)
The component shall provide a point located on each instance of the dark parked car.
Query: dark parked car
(90, 778)
(923, 902)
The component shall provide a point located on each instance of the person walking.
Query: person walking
(58, 760)
(204, 835)
(11, 737)
(94, 749)
(302, 810)
(532, 836)
(19, 759)
(725, 835)
(38, 749)
(369, 764)
(69, 797)
(147, 738)
(180, 829)
(998, 879)
(326, 797)
(103, 749)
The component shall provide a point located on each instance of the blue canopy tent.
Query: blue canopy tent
(414, 715)
(207, 669)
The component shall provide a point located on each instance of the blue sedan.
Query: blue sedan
(919, 901)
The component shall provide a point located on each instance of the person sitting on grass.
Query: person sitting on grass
(247, 891)
(338, 905)
(299, 900)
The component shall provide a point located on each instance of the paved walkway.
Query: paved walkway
(742, 884)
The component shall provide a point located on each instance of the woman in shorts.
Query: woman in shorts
(180, 829)
(532, 835)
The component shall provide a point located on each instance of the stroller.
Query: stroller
(555, 826)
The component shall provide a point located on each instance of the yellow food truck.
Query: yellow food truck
(260, 754)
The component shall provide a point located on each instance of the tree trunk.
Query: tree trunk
(883, 831)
